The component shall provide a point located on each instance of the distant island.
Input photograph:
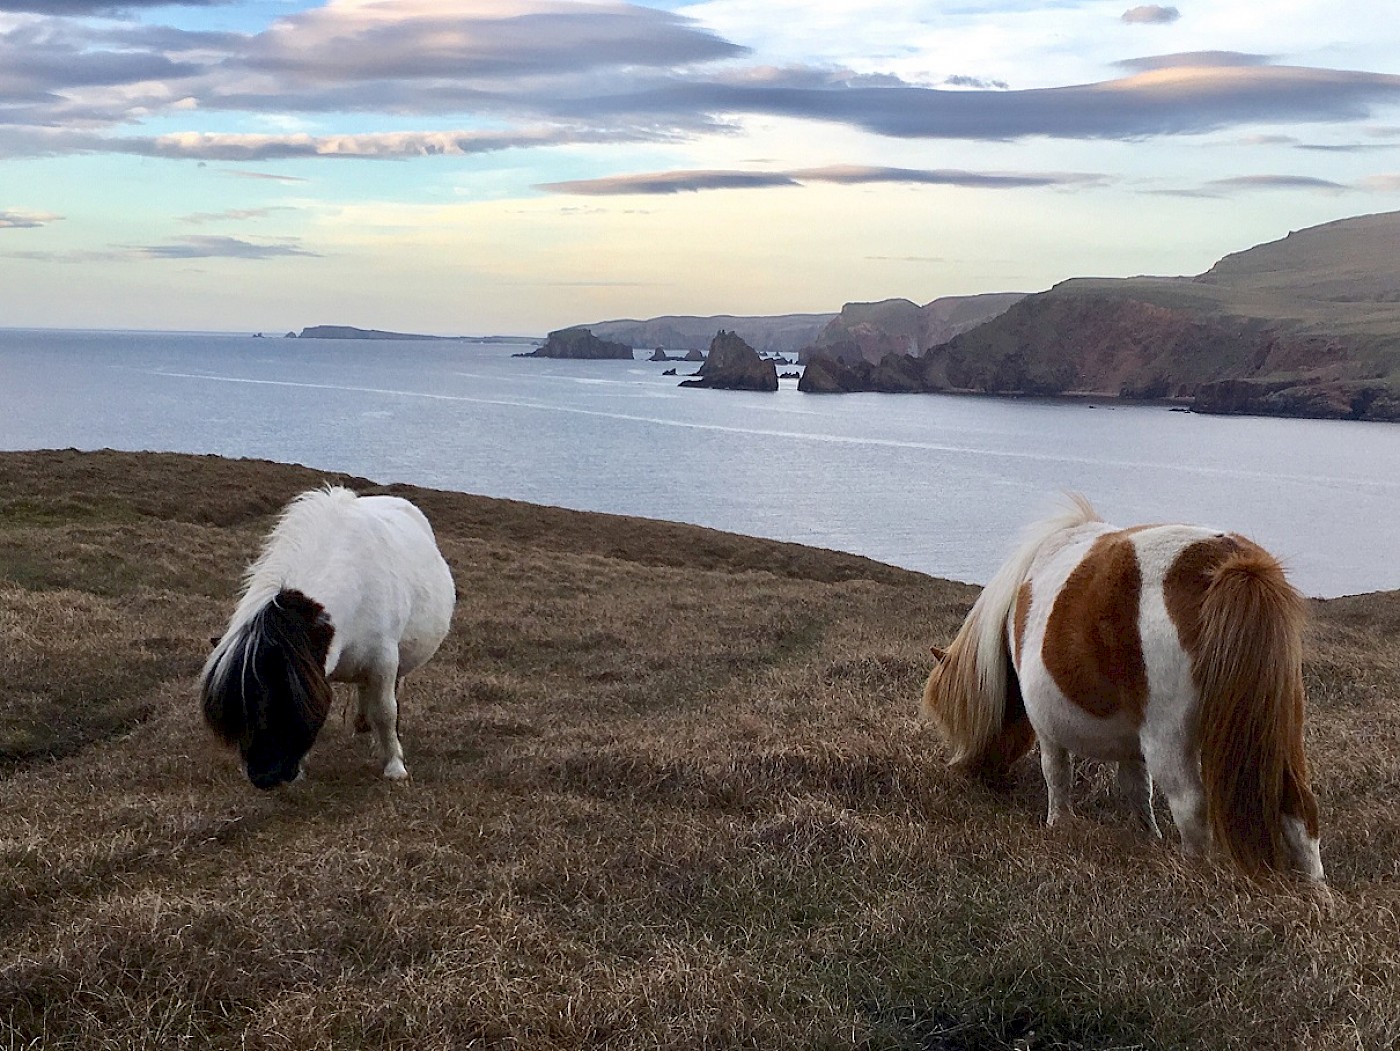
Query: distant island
(732, 364)
(579, 343)
(350, 332)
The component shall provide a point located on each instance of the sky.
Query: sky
(477, 167)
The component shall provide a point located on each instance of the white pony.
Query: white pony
(1173, 650)
(347, 589)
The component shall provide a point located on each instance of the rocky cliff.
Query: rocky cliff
(579, 343)
(734, 365)
(1305, 326)
(870, 331)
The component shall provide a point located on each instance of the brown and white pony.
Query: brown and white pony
(1173, 650)
(347, 589)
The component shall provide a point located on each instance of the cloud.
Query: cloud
(239, 174)
(76, 256)
(526, 73)
(1176, 100)
(960, 81)
(232, 215)
(1268, 140)
(1277, 182)
(849, 175)
(96, 7)
(210, 146)
(17, 220)
(670, 182)
(1348, 147)
(208, 247)
(1151, 14)
(1193, 60)
(455, 39)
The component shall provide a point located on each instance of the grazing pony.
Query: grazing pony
(347, 589)
(1173, 650)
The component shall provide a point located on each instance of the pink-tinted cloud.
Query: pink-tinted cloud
(694, 181)
(1151, 14)
(20, 220)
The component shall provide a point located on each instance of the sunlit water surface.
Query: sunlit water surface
(935, 483)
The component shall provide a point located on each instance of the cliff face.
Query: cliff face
(1064, 343)
(1123, 348)
(871, 331)
(894, 374)
(1069, 342)
(580, 343)
(1308, 325)
(1336, 400)
(734, 365)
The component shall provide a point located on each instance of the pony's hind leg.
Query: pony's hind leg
(1179, 777)
(1055, 765)
(1136, 785)
(378, 702)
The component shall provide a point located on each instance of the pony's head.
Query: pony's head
(934, 683)
(264, 687)
(976, 704)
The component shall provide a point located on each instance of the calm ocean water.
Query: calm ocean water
(935, 483)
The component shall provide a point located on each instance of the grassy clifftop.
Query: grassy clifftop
(1308, 325)
(667, 790)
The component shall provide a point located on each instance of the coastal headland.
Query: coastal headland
(668, 790)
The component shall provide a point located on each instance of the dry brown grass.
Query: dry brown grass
(667, 790)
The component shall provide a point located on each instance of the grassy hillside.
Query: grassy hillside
(1308, 325)
(667, 790)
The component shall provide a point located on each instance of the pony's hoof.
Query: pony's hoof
(396, 771)
(1322, 898)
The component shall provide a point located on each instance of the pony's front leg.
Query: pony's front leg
(1136, 785)
(1055, 765)
(379, 704)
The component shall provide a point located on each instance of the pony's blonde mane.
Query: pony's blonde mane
(966, 695)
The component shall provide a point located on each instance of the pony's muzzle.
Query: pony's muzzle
(269, 777)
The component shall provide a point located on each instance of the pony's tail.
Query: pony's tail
(1248, 667)
(265, 680)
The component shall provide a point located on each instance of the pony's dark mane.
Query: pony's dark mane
(264, 689)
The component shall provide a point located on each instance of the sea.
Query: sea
(936, 483)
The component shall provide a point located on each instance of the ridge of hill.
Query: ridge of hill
(869, 331)
(1308, 325)
(778, 334)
